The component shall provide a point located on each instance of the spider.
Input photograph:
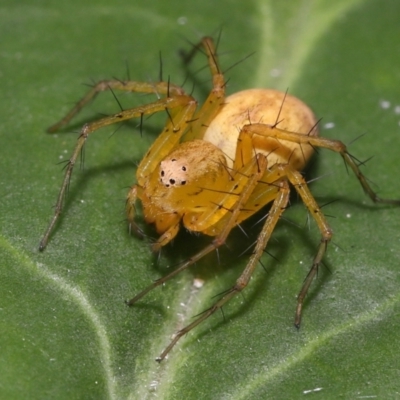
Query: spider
(212, 168)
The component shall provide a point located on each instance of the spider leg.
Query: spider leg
(180, 111)
(245, 149)
(165, 88)
(299, 183)
(181, 107)
(267, 187)
(219, 208)
(215, 100)
(259, 166)
(275, 212)
(166, 237)
(130, 208)
(134, 194)
(195, 124)
(296, 179)
(315, 141)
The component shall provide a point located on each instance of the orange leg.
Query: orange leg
(179, 106)
(216, 98)
(297, 180)
(274, 214)
(259, 167)
(180, 103)
(315, 141)
(164, 88)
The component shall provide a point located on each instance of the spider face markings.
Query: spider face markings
(172, 172)
(214, 166)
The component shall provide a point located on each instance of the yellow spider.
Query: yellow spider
(212, 168)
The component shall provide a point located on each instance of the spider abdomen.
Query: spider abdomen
(269, 107)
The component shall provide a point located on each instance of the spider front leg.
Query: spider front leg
(251, 174)
(216, 98)
(113, 84)
(181, 107)
(274, 214)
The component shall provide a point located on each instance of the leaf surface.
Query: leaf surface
(65, 332)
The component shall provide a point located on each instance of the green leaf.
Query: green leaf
(65, 331)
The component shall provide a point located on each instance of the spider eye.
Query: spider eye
(173, 172)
